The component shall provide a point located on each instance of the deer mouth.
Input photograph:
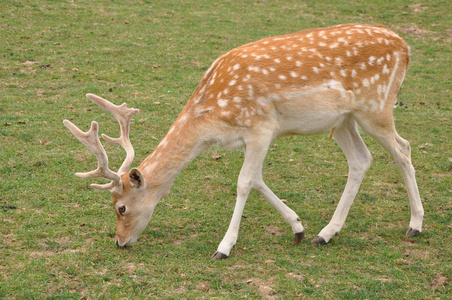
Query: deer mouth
(124, 243)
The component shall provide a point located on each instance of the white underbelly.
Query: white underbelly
(310, 123)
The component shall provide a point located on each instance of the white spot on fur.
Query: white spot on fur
(373, 105)
(222, 102)
(375, 78)
(379, 90)
(366, 83)
(250, 91)
(252, 68)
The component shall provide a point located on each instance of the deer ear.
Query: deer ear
(136, 178)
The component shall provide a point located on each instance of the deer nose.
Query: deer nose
(118, 245)
(121, 245)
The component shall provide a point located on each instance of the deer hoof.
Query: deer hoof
(412, 232)
(218, 255)
(298, 237)
(318, 241)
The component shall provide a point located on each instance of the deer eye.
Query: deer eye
(122, 209)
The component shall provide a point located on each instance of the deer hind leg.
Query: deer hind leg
(249, 175)
(400, 150)
(359, 160)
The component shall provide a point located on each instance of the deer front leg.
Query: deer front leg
(249, 174)
(288, 214)
(232, 234)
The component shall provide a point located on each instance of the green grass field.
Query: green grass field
(57, 234)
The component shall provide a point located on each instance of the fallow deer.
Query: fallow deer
(304, 83)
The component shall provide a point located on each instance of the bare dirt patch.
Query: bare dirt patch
(414, 30)
(296, 276)
(265, 289)
(439, 282)
(203, 286)
(418, 8)
(273, 230)
(37, 254)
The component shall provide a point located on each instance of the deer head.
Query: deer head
(128, 187)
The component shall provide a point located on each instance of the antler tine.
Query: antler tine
(123, 114)
(112, 186)
(91, 140)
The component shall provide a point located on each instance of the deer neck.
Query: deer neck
(177, 149)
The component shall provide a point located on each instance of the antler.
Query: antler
(91, 140)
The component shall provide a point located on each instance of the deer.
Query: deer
(330, 79)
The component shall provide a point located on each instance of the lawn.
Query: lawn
(57, 234)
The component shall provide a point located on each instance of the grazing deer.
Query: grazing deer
(304, 83)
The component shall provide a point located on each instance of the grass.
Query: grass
(57, 233)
